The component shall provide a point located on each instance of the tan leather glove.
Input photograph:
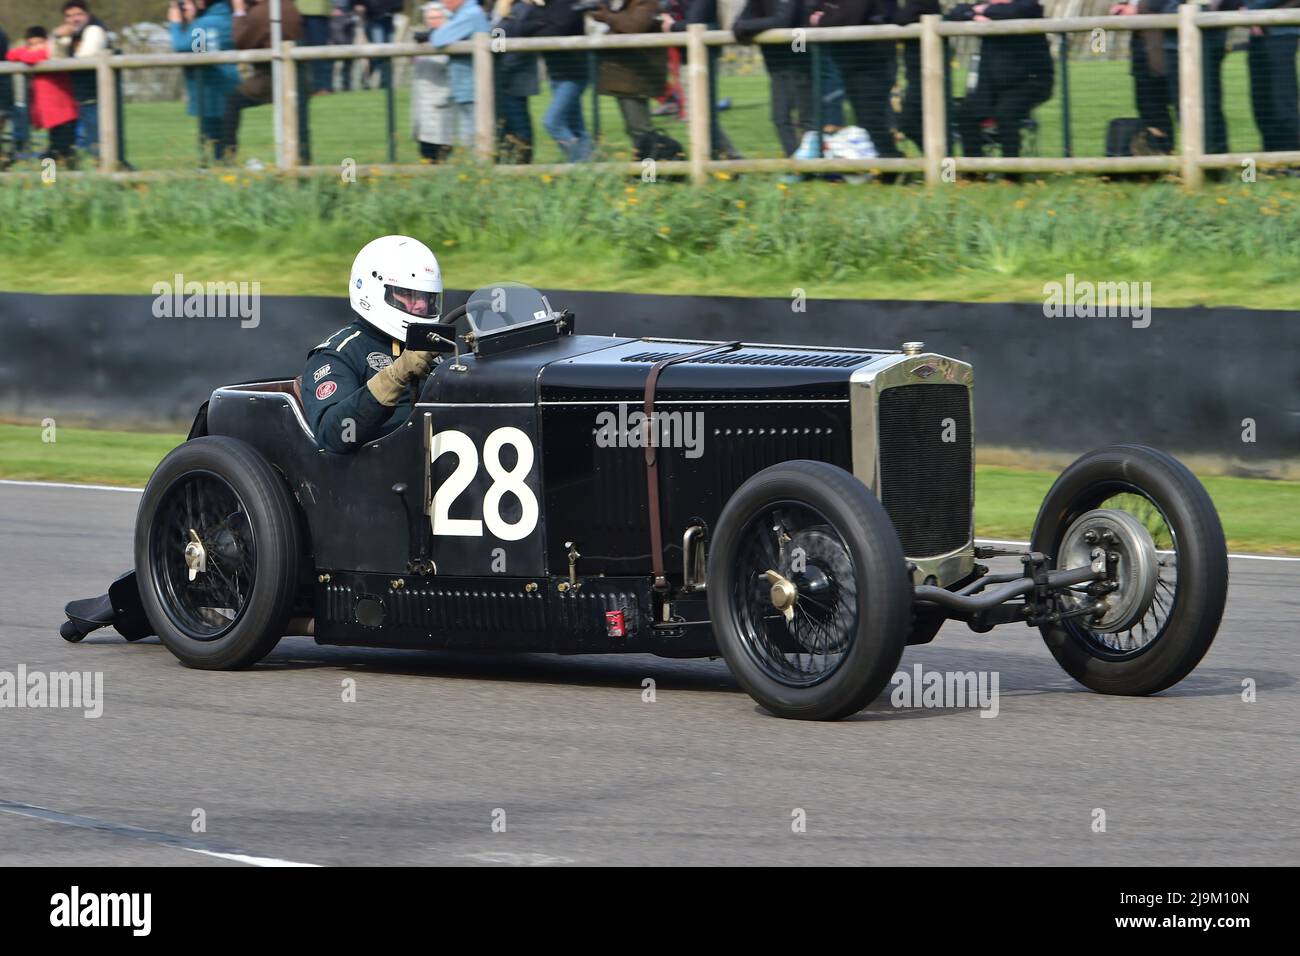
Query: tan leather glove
(388, 383)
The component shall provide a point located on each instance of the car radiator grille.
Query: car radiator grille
(925, 482)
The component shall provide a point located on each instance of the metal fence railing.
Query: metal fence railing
(933, 123)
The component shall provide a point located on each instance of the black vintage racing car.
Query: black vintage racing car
(804, 512)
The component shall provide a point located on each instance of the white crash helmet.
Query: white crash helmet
(395, 279)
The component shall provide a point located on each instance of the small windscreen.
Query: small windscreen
(505, 304)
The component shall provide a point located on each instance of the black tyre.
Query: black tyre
(1191, 586)
(826, 648)
(219, 495)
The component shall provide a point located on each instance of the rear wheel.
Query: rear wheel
(217, 553)
(808, 591)
(1167, 544)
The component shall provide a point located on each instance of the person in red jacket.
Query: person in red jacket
(52, 106)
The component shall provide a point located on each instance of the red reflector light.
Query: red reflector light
(615, 626)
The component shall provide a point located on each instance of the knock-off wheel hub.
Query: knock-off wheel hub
(196, 557)
(785, 594)
(1117, 542)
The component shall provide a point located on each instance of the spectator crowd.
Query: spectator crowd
(810, 97)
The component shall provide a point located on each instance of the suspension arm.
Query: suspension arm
(969, 602)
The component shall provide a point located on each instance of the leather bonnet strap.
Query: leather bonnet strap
(652, 457)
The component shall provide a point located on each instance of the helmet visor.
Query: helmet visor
(416, 302)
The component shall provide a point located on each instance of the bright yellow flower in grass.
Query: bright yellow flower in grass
(723, 176)
(1221, 201)
(548, 178)
(463, 177)
(449, 242)
(664, 230)
(783, 187)
(229, 179)
(630, 190)
(1051, 212)
(632, 200)
(1020, 204)
(740, 204)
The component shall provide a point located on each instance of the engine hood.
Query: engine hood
(772, 372)
(587, 368)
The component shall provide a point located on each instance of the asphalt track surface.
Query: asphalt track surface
(586, 772)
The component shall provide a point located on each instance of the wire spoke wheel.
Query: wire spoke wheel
(805, 642)
(218, 553)
(808, 590)
(1143, 512)
(206, 589)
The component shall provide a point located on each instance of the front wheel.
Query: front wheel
(1142, 510)
(808, 591)
(217, 553)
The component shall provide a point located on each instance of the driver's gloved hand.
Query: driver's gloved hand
(388, 384)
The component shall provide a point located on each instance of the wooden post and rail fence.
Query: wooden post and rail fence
(936, 164)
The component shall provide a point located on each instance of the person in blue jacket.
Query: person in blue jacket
(467, 18)
(204, 26)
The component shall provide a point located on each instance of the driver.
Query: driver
(358, 383)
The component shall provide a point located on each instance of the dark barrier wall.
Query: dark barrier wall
(1186, 382)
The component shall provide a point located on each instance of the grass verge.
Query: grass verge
(1259, 516)
(591, 230)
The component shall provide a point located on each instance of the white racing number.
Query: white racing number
(504, 483)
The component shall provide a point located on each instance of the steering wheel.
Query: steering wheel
(455, 314)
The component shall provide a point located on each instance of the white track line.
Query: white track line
(64, 484)
(250, 860)
(994, 541)
(156, 837)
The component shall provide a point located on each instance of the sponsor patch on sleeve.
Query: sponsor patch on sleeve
(325, 389)
(378, 360)
(321, 372)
